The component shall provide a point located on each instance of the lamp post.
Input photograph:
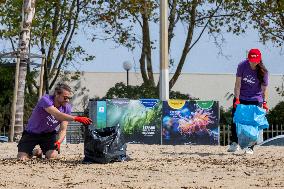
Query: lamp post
(127, 66)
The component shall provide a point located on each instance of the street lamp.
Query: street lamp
(127, 66)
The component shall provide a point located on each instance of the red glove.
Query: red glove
(264, 105)
(84, 120)
(236, 102)
(57, 146)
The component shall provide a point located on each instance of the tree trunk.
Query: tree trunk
(186, 45)
(146, 57)
(27, 16)
(143, 58)
(20, 99)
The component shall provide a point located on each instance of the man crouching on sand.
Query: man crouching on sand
(51, 111)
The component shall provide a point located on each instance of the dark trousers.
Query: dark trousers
(234, 137)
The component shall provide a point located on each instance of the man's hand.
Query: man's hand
(237, 102)
(265, 106)
(84, 120)
(57, 146)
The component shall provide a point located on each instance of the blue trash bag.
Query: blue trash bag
(249, 120)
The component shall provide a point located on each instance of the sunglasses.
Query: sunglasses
(67, 97)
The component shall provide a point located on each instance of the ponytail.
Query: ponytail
(261, 71)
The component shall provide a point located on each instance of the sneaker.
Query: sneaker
(248, 150)
(233, 147)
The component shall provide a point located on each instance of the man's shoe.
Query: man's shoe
(248, 150)
(233, 147)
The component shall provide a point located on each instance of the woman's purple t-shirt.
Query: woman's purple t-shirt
(43, 122)
(250, 84)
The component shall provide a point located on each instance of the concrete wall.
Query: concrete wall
(203, 86)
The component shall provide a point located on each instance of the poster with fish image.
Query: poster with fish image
(140, 120)
(190, 122)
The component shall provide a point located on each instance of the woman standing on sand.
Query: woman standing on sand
(250, 89)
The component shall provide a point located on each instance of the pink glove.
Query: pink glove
(264, 106)
(84, 120)
(236, 102)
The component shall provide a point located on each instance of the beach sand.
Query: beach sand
(152, 166)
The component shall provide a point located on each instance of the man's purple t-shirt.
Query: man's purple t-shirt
(250, 84)
(43, 122)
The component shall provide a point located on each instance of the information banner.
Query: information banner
(190, 122)
(140, 119)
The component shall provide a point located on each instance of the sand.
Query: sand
(152, 166)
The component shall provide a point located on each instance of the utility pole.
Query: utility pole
(28, 11)
(164, 57)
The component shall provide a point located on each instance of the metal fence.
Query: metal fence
(75, 131)
(272, 131)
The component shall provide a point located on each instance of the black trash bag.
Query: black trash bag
(104, 145)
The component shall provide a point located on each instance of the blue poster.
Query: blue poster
(97, 112)
(190, 122)
(101, 115)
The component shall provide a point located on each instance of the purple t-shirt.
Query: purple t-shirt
(41, 121)
(250, 84)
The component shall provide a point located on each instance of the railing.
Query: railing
(272, 131)
(75, 132)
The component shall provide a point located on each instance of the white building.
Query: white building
(203, 86)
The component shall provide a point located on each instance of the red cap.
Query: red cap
(254, 56)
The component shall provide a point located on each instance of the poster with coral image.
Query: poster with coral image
(190, 122)
(140, 120)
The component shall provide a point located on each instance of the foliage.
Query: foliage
(225, 116)
(120, 90)
(54, 26)
(6, 94)
(268, 19)
(7, 74)
(130, 23)
(276, 115)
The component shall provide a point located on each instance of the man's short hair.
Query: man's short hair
(60, 87)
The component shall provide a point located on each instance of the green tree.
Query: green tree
(55, 24)
(53, 29)
(6, 93)
(276, 114)
(7, 74)
(130, 23)
(120, 90)
(268, 18)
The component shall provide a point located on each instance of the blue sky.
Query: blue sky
(203, 58)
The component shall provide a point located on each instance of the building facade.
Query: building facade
(216, 87)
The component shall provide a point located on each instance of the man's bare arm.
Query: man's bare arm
(62, 131)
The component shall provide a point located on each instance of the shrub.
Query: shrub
(120, 90)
